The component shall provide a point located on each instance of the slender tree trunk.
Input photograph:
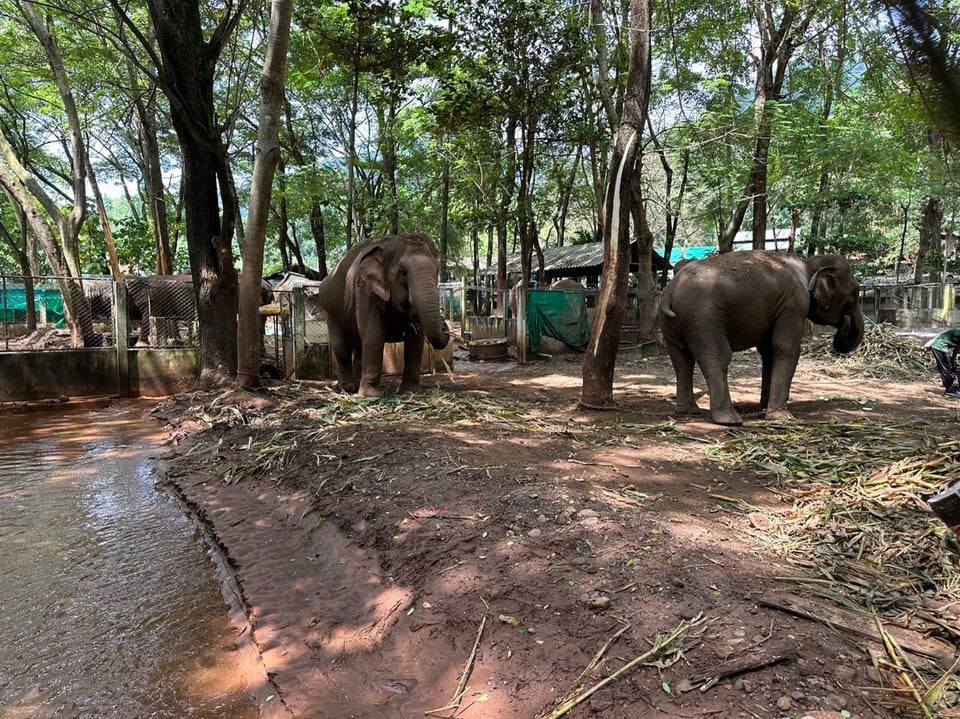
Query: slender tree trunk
(600, 359)
(250, 328)
(25, 272)
(105, 222)
(566, 192)
(508, 166)
(319, 239)
(351, 154)
(444, 212)
(778, 40)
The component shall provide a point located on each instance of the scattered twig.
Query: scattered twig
(735, 667)
(464, 675)
(658, 647)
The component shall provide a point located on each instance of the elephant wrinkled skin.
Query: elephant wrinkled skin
(731, 302)
(383, 290)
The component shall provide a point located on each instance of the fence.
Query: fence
(161, 312)
(912, 305)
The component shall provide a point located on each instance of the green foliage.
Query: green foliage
(439, 84)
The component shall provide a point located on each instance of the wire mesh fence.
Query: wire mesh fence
(35, 312)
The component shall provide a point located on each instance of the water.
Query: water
(109, 603)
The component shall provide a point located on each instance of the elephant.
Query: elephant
(383, 290)
(755, 298)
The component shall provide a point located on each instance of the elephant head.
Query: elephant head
(403, 273)
(835, 300)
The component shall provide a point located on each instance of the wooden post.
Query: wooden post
(298, 324)
(120, 335)
(522, 326)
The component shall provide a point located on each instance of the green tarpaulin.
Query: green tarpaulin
(559, 314)
(13, 304)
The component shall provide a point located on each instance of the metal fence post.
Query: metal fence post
(120, 338)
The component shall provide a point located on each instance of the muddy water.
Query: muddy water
(109, 603)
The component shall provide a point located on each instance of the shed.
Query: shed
(583, 260)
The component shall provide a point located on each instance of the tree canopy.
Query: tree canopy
(487, 125)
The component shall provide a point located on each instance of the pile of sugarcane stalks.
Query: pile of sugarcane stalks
(883, 354)
(856, 529)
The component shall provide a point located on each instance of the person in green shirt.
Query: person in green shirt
(944, 348)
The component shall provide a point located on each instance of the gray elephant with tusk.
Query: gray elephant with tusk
(734, 301)
(383, 290)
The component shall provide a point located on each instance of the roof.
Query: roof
(568, 261)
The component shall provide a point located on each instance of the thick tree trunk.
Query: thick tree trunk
(188, 71)
(929, 247)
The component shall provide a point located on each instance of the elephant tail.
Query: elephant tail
(665, 307)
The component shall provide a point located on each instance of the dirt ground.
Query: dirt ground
(488, 549)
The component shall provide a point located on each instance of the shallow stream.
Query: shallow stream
(110, 605)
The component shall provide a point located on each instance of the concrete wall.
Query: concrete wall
(27, 376)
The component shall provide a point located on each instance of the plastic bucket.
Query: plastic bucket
(946, 505)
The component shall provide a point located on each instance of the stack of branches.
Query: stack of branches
(883, 354)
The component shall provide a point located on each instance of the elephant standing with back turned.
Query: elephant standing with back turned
(383, 290)
(734, 301)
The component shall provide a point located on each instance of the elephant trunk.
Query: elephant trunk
(849, 332)
(425, 299)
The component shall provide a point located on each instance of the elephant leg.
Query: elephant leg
(766, 364)
(412, 356)
(343, 352)
(714, 363)
(778, 369)
(683, 363)
(372, 361)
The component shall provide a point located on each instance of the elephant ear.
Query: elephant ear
(373, 273)
(823, 285)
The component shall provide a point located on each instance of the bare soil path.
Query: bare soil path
(489, 545)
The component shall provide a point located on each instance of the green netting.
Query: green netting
(558, 314)
(13, 304)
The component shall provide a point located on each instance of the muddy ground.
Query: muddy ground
(486, 548)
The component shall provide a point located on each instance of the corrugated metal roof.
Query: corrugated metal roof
(568, 261)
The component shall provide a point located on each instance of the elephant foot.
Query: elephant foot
(409, 387)
(778, 415)
(689, 409)
(726, 417)
(348, 388)
(368, 390)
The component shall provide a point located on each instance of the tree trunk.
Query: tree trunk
(187, 78)
(600, 358)
(316, 230)
(929, 252)
(444, 213)
(250, 328)
(646, 292)
(352, 154)
(777, 43)
(508, 166)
